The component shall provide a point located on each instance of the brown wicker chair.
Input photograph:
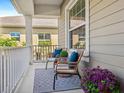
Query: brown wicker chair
(50, 58)
(72, 69)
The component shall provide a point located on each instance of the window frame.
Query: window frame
(74, 12)
(16, 36)
(44, 37)
(86, 23)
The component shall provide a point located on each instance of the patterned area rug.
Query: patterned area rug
(43, 82)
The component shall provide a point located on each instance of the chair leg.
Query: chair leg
(56, 77)
(54, 82)
(54, 65)
(79, 76)
(47, 64)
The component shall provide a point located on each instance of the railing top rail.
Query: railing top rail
(6, 48)
(45, 45)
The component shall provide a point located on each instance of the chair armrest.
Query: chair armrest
(72, 63)
(49, 55)
(59, 62)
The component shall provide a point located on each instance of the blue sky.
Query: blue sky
(7, 9)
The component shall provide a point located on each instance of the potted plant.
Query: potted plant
(98, 80)
(64, 53)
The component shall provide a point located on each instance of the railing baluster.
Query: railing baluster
(47, 52)
(41, 51)
(0, 72)
(13, 63)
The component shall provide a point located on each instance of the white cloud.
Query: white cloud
(4, 13)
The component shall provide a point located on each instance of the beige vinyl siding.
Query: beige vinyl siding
(22, 38)
(61, 34)
(107, 35)
(6, 30)
(54, 39)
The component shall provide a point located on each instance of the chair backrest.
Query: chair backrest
(80, 56)
(79, 59)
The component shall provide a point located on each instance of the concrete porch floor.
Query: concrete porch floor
(26, 84)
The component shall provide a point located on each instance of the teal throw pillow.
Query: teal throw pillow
(73, 57)
(57, 52)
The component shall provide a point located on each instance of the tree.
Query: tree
(8, 42)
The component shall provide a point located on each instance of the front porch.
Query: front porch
(27, 83)
(101, 24)
(17, 71)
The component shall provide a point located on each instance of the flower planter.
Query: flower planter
(98, 79)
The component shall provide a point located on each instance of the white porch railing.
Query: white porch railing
(40, 52)
(13, 63)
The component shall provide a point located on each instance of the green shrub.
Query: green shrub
(23, 43)
(8, 42)
(44, 42)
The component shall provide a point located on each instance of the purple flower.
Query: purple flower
(100, 79)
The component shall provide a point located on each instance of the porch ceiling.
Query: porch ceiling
(48, 2)
(38, 7)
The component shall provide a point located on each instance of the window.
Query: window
(41, 36)
(15, 35)
(44, 39)
(44, 36)
(78, 38)
(76, 26)
(77, 14)
(47, 36)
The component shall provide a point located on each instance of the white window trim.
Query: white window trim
(44, 39)
(67, 8)
(83, 24)
(15, 36)
(87, 33)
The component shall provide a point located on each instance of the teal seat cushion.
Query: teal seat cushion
(73, 57)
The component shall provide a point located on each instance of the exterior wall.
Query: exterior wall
(107, 35)
(54, 39)
(5, 31)
(5, 36)
(61, 34)
(35, 39)
(22, 38)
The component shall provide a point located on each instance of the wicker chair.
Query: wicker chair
(72, 69)
(51, 59)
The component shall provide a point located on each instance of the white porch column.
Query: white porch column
(67, 37)
(28, 27)
(28, 23)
